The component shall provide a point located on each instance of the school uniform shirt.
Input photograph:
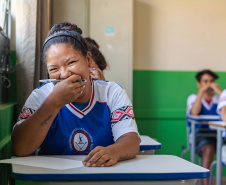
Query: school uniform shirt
(222, 101)
(207, 108)
(107, 116)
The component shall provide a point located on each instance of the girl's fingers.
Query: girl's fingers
(108, 163)
(91, 154)
(103, 159)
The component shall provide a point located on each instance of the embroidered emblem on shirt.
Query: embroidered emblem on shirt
(122, 113)
(80, 141)
(25, 113)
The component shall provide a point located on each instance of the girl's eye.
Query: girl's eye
(69, 63)
(53, 70)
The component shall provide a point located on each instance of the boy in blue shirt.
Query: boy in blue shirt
(205, 103)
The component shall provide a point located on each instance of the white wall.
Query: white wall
(13, 25)
(116, 46)
(93, 16)
(183, 35)
(74, 11)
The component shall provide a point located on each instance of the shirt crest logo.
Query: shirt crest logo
(80, 141)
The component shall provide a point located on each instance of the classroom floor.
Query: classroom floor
(214, 181)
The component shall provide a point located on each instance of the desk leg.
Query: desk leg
(219, 160)
(193, 141)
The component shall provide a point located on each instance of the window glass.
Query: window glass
(3, 6)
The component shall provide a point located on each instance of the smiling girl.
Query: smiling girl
(89, 117)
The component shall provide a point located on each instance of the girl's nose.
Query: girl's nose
(209, 82)
(64, 73)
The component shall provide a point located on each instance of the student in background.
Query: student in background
(98, 63)
(205, 103)
(221, 108)
(78, 115)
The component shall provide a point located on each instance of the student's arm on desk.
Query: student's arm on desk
(197, 105)
(30, 134)
(223, 113)
(126, 147)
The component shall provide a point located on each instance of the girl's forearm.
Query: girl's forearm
(30, 134)
(127, 146)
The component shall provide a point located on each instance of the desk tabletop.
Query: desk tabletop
(203, 117)
(147, 143)
(141, 167)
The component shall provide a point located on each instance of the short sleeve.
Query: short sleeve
(33, 102)
(222, 101)
(122, 115)
(190, 101)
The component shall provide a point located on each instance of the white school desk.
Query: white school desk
(144, 169)
(220, 127)
(194, 120)
(148, 145)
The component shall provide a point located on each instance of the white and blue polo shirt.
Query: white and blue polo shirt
(75, 130)
(207, 108)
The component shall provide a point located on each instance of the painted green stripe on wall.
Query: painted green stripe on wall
(163, 94)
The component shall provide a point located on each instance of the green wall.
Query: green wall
(163, 94)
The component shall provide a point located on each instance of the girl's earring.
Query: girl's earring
(91, 63)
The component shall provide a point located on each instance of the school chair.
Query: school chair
(223, 162)
(211, 169)
(188, 125)
(188, 131)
